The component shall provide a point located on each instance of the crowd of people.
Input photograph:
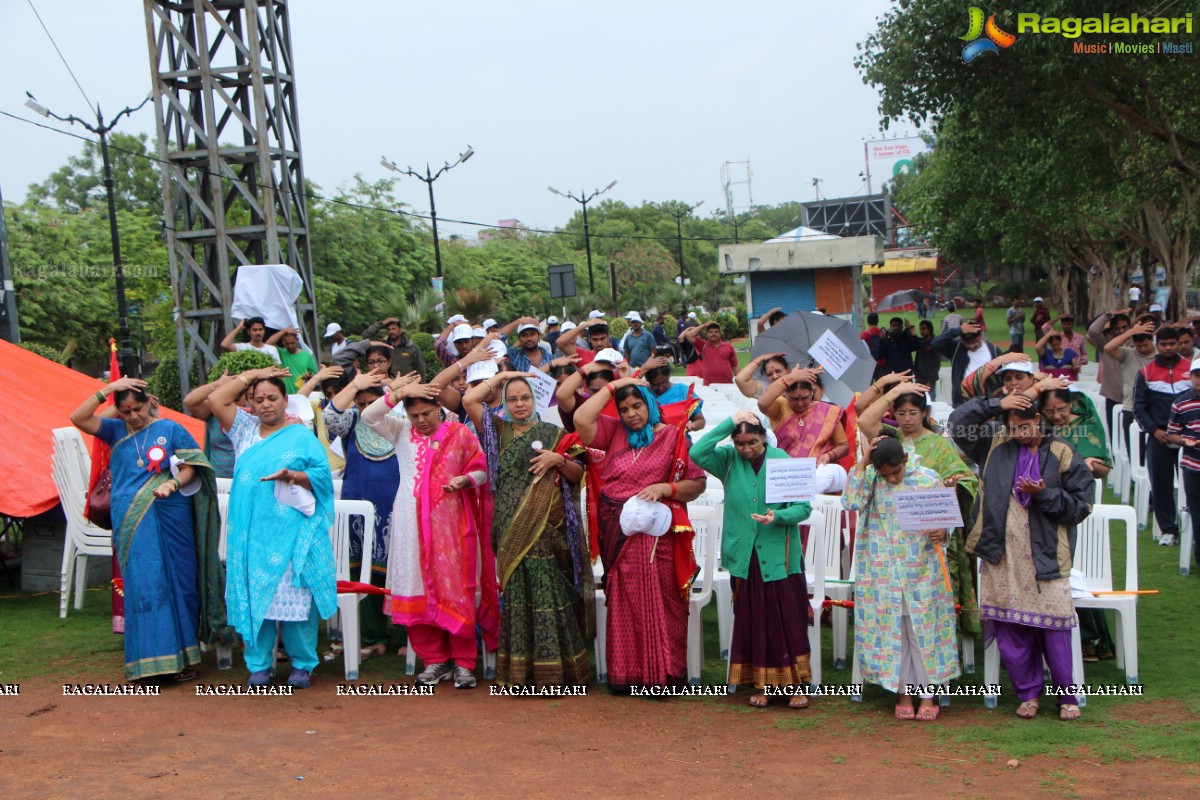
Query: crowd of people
(500, 512)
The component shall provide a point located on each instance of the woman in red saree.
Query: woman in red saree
(646, 579)
(804, 426)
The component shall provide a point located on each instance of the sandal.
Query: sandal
(334, 652)
(1068, 712)
(187, 675)
(928, 714)
(372, 650)
(798, 701)
(1028, 709)
(905, 712)
(759, 700)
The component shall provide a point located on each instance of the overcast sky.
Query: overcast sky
(656, 94)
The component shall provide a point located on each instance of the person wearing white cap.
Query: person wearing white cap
(638, 343)
(529, 352)
(542, 558)
(1040, 315)
(760, 546)
(337, 339)
(1183, 430)
(595, 314)
(450, 344)
(490, 323)
(552, 332)
(1155, 308)
(976, 422)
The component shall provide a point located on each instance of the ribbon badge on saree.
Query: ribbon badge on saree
(156, 455)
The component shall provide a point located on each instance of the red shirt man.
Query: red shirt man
(718, 358)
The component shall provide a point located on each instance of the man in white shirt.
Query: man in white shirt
(256, 329)
(338, 340)
(1135, 295)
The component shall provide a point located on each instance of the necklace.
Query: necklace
(800, 417)
(141, 462)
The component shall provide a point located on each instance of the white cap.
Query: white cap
(489, 323)
(610, 355)
(1037, 299)
(456, 319)
(331, 329)
(1017, 366)
(481, 371)
(497, 347)
(552, 320)
(1196, 365)
(1156, 307)
(460, 332)
(633, 316)
(478, 333)
(644, 516)
(528, 326)
(691, 315)
(568, 326)
(596, 314)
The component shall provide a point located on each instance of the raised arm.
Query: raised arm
(878, 388)
(1113, 347)
(747, 384)
(474, 401)
(223, 401)
(85, 418)
(1040, 345)
(871, 418)
(229, 342)
(762, 321)
(587, 414)
(320, 376)
(196, 402)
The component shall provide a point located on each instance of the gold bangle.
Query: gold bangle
(100, 397)
(245, 382)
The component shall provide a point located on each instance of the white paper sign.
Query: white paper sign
(791, 479)
(543, 387)
(832, 354)
(927, 509)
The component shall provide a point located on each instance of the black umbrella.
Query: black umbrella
(795, 337)
(899, 299)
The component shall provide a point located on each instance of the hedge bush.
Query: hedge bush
(424, 341)
(238, 362)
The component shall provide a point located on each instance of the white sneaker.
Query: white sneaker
(463, 678)
(1168, 540)
(434, 673)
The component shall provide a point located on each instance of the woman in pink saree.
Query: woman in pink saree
(804, 426)
(440, 554)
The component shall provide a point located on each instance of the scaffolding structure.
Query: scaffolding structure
(224, 89)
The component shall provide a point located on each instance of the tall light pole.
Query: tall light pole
(583, 200)
(428, 178)
(129, 361)
(679, 214)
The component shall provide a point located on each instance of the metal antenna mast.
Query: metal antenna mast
(224, 89)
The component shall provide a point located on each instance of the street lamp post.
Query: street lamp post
(428, 178)
(583, 200)
(130, 367)
(679, 214)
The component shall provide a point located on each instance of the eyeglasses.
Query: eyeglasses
(377, 362)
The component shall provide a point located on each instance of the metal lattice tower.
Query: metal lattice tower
(229, 140)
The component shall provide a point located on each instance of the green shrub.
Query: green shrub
(617, 328)
(238, 362)
(669, 323)
(424, 341)
(43, 350)
(164, 383)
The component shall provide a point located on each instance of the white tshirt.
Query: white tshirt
(269, 349)
(1135, 294)
(977, 358)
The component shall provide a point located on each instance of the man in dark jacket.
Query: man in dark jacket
(1154, 391)
(406, 356)
(968, 351)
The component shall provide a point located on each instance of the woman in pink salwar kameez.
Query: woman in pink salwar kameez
(440, 555)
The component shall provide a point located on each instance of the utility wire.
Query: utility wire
(63, 58)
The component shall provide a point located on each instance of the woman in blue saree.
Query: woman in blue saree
(165, 532)
(279, 558)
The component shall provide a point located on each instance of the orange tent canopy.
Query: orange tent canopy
(41, 397)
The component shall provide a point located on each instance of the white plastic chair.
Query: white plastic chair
(1118, 476)
(1093, 557)
(1140, 477)
(1185, 529)
(705, 544)
(72, 466)
(814, 570)
(835, 588)
(343, 510)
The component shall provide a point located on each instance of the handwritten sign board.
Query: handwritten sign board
(791, 479)
(927, 509)
(832, 354)
(543, 389)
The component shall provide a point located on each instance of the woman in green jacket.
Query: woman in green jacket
(760, 546)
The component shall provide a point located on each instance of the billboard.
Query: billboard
(889, 157)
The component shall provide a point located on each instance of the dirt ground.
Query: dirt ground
(470, 744)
